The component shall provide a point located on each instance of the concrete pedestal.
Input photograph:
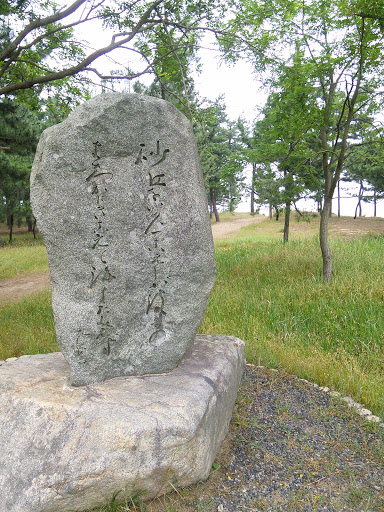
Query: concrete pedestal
(68, 449)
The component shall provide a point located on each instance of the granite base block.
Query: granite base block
(65, 448)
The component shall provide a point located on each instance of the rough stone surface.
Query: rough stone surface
(118, 194)
(65, 448)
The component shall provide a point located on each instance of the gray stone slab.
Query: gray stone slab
(65, 448)
(119, 197)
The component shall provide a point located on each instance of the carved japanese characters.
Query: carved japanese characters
(119, 197)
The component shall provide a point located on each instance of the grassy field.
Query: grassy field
(272, 296)
(25, 255)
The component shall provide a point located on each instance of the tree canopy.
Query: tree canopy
(39, 44)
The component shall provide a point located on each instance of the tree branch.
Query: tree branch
(370, 16)
(38, 23)
(82, 65)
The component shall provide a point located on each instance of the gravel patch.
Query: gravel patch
(292, 446)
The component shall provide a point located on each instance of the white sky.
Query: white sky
(242, 91)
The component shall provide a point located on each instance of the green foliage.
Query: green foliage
(221, 155)
(172, 52)
(38, 44)
(48, 44)
(372, 9)
(19, 130)
(365, 164)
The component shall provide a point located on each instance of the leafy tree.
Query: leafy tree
(341, 58)
(172, 56)
(365, 165)
(249, 139)
(369, 9)
(220, 156)
(232, 171)
(290, 117)
(19, 131)
(269, 184)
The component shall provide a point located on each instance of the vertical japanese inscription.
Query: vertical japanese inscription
(153, 231)
(100, 274)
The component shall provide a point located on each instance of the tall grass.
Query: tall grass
(272, 295)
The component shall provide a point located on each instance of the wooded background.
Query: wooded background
(320, 60)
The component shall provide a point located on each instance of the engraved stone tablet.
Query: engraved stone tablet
(119, 197)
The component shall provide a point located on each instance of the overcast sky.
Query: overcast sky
(243, 92)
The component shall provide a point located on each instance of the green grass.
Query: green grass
(27, 326)
(19, 236)
(25, 255)
(22, 259)
(272, 296)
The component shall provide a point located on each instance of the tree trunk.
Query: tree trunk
(213, 203)
(10, 227)
(277, 214)
(298, 211)
(325, 250)
(29, 224)
(231, 208)
(374, 203)
(34, 228)
(358, 206)
(332, 177)
(338, 198)
(286, 220)
(253, 189)
(18, 205)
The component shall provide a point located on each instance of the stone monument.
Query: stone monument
(136, 402)
(119, 198)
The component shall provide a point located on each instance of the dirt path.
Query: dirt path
(14, 288)
(227, 228)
